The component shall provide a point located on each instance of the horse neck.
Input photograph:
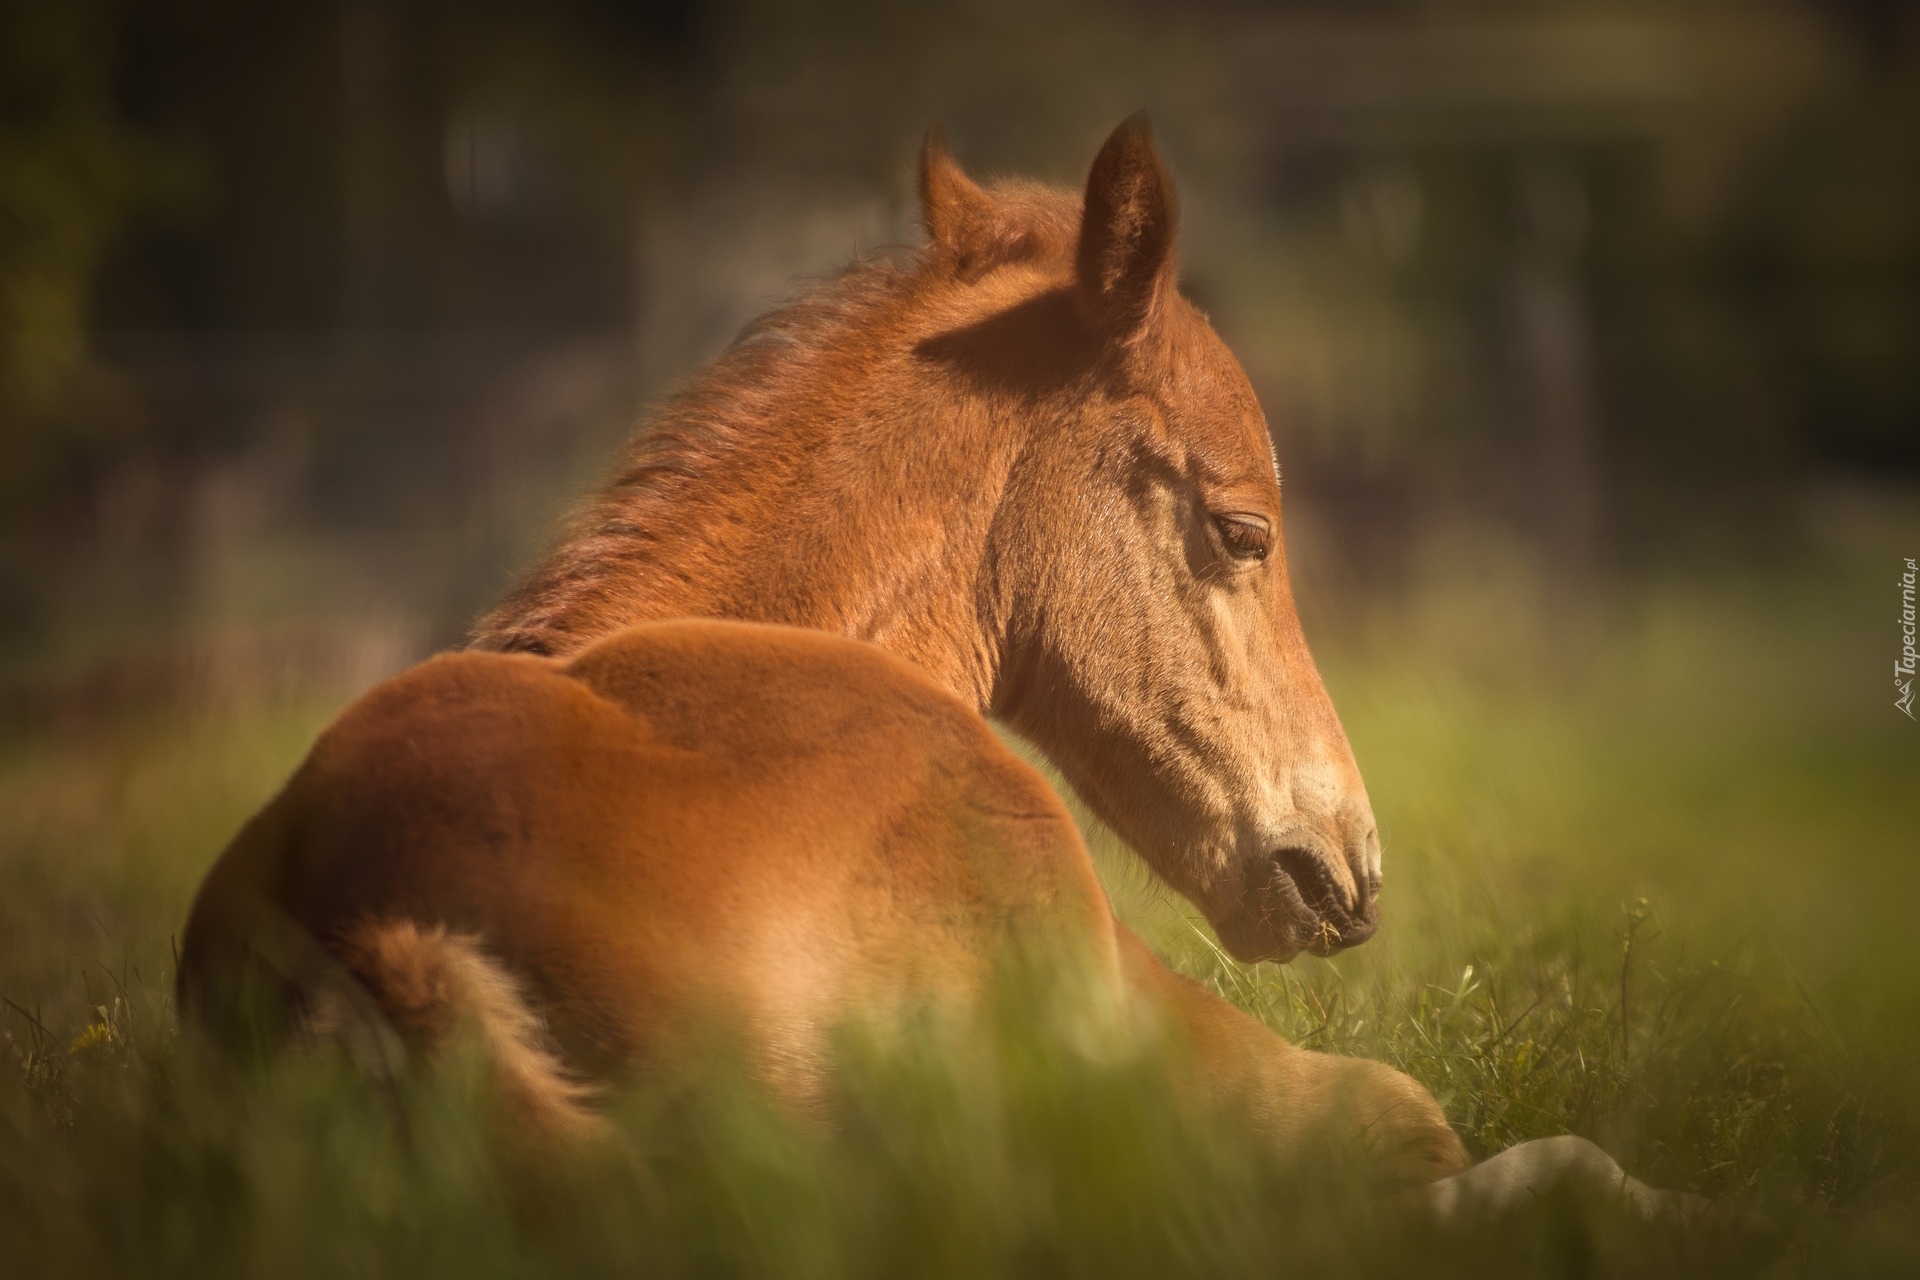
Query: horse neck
(882, 536)
(872, 521)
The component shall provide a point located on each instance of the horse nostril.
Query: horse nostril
(1313, 880)
(1343, 915)
(1363, 860)
(1368, 878)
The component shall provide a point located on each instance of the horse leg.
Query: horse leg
(1405, 1134)
(1564, 1166)
(1295, 1094)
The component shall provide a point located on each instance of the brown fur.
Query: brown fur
(1024, 464)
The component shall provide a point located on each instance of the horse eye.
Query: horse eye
(1246, 536)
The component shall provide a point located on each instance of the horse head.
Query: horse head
(1136, 572)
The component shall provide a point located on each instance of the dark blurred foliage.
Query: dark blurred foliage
(76, 176)
(1624, 276)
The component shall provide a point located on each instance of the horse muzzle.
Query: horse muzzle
(1304, 897)
(1334, 911)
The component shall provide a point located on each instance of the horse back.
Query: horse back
(687, 824)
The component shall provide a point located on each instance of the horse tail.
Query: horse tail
(434, 987)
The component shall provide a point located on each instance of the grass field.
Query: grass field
(1652, 863)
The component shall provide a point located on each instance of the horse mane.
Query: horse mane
(732, 405)
(724, 404)
(770, 356)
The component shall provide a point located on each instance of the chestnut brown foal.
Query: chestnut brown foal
(1015, 474)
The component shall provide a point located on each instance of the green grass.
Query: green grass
(1651, 865)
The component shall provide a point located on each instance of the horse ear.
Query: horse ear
(951, 204)
(1125, 260)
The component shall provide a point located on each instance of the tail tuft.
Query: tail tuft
(433, 986)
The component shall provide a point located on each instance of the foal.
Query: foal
(1015, 474)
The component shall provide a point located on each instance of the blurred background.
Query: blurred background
(1590, 337)
(315, 315)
